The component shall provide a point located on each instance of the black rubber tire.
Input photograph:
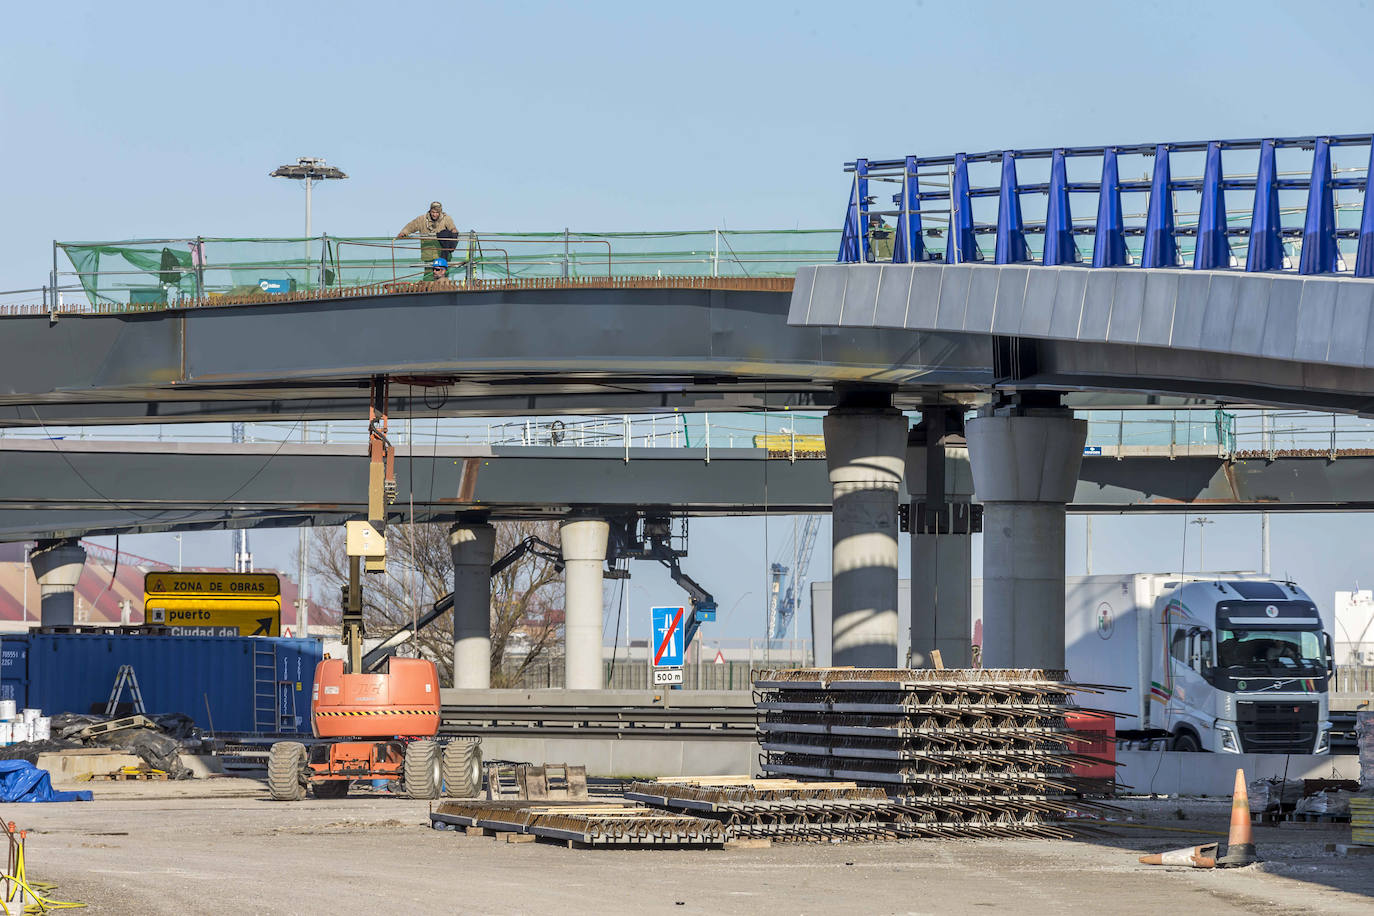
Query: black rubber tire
(286, 771)
(422, 771)
(1186, 742)
(331, 788)
(463, 768)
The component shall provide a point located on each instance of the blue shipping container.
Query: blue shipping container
(14, 669)
(228, 684)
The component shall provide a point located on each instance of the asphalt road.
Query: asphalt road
(221, 846)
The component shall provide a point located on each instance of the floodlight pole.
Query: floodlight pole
(308, 168)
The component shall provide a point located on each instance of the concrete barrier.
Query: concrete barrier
(624, 757)
(1174, 773)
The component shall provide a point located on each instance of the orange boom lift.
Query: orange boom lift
(378, 725)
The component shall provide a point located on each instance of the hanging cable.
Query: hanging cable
(96, 603)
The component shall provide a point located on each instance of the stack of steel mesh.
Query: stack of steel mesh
(781, 809)
(607, 824)
(978, 752)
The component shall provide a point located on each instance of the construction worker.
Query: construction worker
(428, 226)
(439, 267)
(879, 239)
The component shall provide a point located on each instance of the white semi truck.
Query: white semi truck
(1231, 664)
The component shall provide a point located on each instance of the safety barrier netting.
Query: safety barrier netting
(149, 274)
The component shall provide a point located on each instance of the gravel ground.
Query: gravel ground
(221, 846)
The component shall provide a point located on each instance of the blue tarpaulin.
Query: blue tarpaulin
(21, 781)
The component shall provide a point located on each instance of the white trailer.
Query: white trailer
(1233, 664)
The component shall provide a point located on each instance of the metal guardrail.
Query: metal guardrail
(710, 722)
(1242, 432)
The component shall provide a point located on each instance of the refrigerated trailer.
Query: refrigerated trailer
(1231, 664)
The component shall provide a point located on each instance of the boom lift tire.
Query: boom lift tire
(331, 788)
(463, 768)
(286, 771)
(422, 770)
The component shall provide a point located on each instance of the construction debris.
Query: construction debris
(1204, 856)
(536, 782)
(974, 752)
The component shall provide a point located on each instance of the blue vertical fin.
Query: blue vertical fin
(1109, 235)
(1266, 226)
(1011, 232)
(1364, 258)
(1213, 251)
(1319, 252)
(961, 245)
(854, 236)
(1060, 247)
(1161, 248)
(909, 220)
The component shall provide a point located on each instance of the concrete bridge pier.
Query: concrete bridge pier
(473, 544)
(940, 483)
(1025, 458)
(583, 540)
(865, 446)
(57, 565)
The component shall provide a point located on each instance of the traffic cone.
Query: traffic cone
(1204, 856)
(1240, 845)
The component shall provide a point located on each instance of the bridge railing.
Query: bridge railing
(151, 274)
(1276, 204)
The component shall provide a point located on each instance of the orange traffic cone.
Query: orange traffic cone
(1240, 846)
(1204, 856)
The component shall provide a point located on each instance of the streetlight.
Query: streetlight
(309, 170)
(1201, 522)
(178, 537)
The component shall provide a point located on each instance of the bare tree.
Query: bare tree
(526, 597)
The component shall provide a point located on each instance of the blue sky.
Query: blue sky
(163, 119)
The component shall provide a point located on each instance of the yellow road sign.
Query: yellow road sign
(213, 585)
(260, 617)
(213, 604)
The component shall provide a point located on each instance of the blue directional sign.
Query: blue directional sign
(669, 623)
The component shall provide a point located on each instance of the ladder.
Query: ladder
(265, 716)
(125, 677)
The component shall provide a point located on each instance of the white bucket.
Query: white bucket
(42, 728)
(8, 710)
(4, 734)
(30, 714)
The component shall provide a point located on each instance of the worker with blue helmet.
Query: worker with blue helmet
(439, 267)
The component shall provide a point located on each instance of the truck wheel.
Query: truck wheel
(1186, 742)
(331, 788)
(286, 771)
(463, 768)
(422, 770)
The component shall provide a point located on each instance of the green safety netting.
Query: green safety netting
(153, 273)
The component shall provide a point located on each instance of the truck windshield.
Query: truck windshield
(1268, 650)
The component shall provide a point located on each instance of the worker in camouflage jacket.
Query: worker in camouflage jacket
(438, 235)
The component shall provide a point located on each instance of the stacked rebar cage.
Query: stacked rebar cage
(976, 752)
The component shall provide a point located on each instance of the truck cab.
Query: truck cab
(1238, 666)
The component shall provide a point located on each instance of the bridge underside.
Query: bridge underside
(546, 352)
(78, 488)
